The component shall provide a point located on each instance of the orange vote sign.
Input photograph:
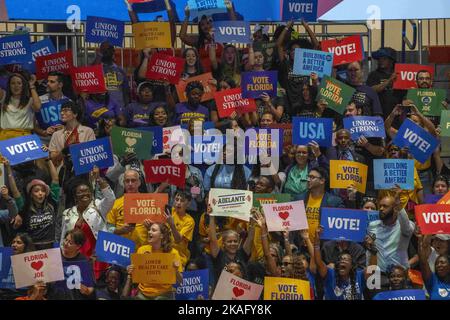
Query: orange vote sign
(138, 207)
(205, 79)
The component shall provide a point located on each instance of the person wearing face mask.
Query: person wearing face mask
(38, 210)
(115, 77)
(159, 241)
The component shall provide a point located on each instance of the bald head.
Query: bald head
(131, 181)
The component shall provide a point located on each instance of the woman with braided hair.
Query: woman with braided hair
(344, 281)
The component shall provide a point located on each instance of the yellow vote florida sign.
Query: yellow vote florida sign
(286, 289)
(155, 268)
(344, 173)
(152, 35)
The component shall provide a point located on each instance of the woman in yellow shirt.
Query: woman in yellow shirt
(159, 239)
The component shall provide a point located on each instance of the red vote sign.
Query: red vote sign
(406, 75)
(231, 100)
(89, 79)
(163, 67)
(165, 170)
(60, 62)
(433, 218)
(347, 50)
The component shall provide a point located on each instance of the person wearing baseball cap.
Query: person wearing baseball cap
(382, 79)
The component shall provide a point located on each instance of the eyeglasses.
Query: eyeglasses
(310, 177)
(423, 78)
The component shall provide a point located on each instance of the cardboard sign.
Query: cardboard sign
(165, 170)
(406, 75)
(343, 173)
(89, 79)
(389, 172)
(300, 9)
(307, 61)
(232, 32)
(445, 123)
(287, 133)
(56, 62)
(147, 6)
(114, 249)
(433, 218)
(15, 49)
(92, 153)
(346, 50)
(372, 216)
(152, 35)
(369, 127)
(254, 84)
(289, 216)
(229, 101)
(231, 203)
(195, 285)
(416, 277)
(131, 141)
(263, 142)
(22, 149)
(50, 113)
(209, 90)
(5, 267)
(157, 145)
(207, 149)
(138, 207)
(76, 273)
(336, 93)
(31, 267)
(343, 224)
(154, 268)
(230, 287)
(445, 199)
(421, 144)
(432, 198)
(401, 295)
(305, 130)
(163, 67)
(99, 30)
(260, 199)
(286, 289)
(428, 101)
(171, 137)
(208, 8)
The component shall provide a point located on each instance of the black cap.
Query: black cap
(385, 52)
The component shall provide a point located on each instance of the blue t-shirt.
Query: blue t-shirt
(437, 289)
(343, 290)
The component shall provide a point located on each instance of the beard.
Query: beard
(387, 216)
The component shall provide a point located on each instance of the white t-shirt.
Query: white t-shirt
(15, 117)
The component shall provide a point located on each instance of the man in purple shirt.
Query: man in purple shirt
(192, 109)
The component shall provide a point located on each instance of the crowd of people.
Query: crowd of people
(44, 202)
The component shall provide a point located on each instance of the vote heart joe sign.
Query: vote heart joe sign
(43, 265)
(22, 149)
(406, 75)
(230, 287)
(132, 141)
(114, 249)
(433, 218)
(289, 216)
(165, 170)
(164, 67)
(346, 50)
(138, 207)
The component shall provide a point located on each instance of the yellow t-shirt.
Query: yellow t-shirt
(313, 215)
(115, 217)
(406, 195)
(203, 230)
(152, 289)
(185, 226)
(420, 167)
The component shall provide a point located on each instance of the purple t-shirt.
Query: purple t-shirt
(116, 82)
(138, 114)
(96, 111)
(184, 113)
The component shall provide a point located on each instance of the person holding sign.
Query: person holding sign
(192, 109)
(229, 67)
(438, 282)
(100, 106)
(18, 104)
(413, 114)
(159, 240)
(344, 281)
